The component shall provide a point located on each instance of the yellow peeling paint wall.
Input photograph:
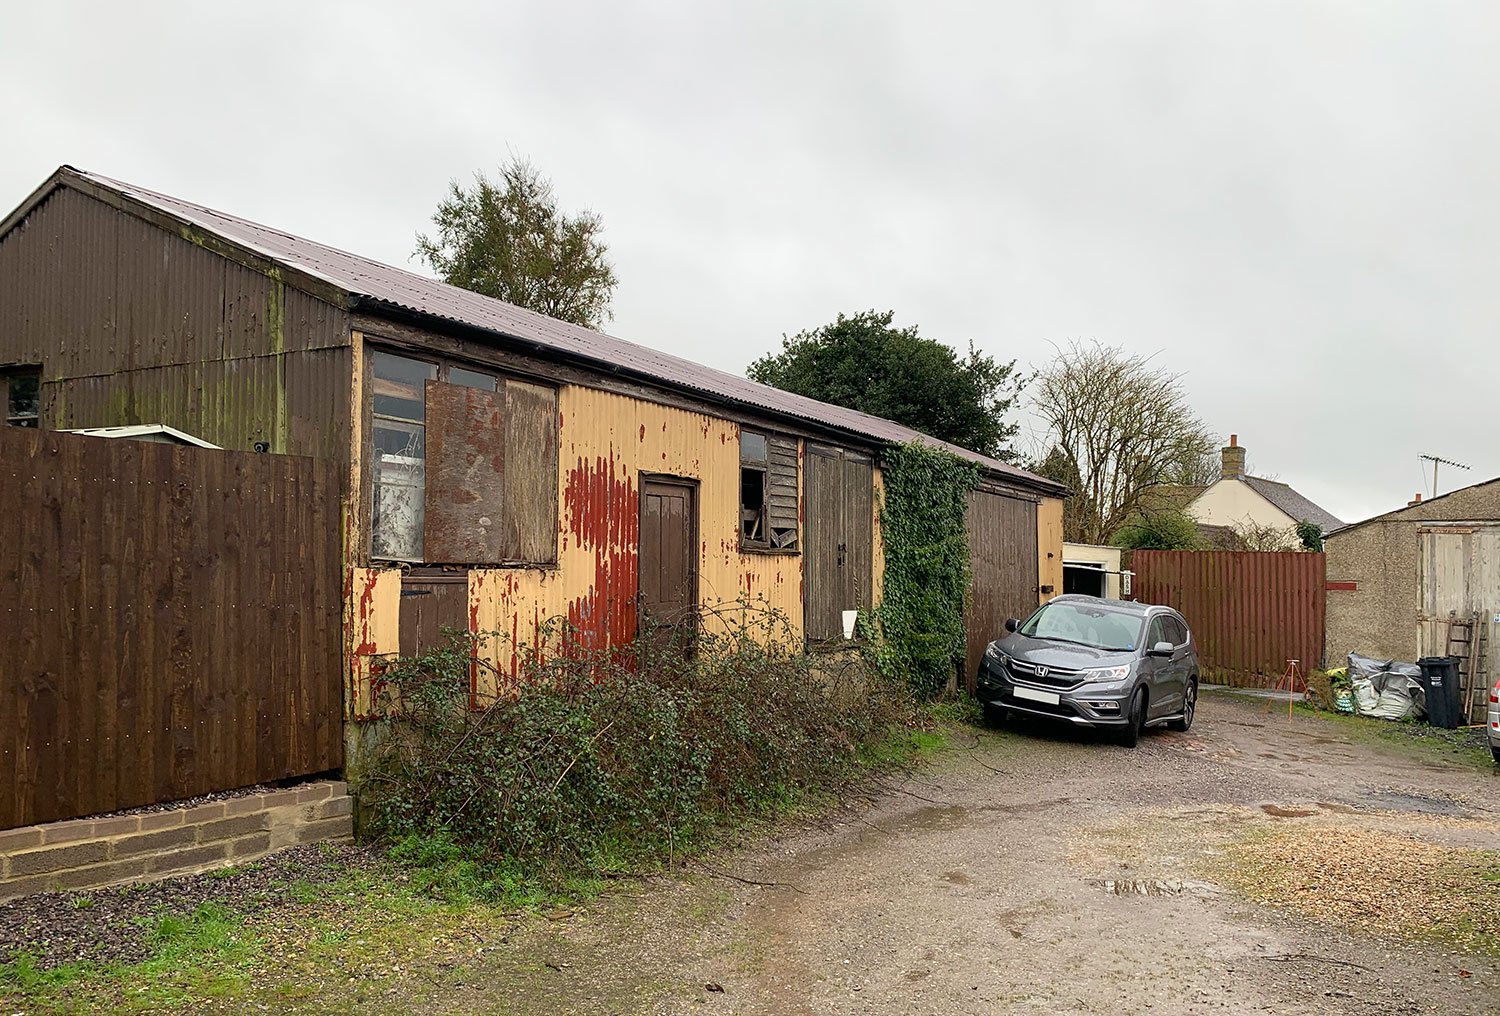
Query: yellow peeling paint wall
(607, 443)
(372, 623)
(1049, 547)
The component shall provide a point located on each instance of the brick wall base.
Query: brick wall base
(87, 853)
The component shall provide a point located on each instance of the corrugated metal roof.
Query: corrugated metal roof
(376, 284)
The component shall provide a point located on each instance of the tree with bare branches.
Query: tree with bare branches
(1116, 425)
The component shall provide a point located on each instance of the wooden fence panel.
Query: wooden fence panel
(169, 622)
(1250, 611)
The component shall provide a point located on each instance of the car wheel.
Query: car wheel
(995, 716)
(1131, 732)
(1189, 706)
(1495, 751)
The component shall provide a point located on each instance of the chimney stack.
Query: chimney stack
(1416, 500)
(1232, 459)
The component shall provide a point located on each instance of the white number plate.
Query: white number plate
(1052, 698)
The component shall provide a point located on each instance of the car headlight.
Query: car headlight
(1106, 675)
(993, 651)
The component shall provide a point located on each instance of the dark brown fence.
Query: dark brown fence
(169, 622)
(1250, 611)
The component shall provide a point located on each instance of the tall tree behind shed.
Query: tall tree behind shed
(864, 362)
(1116, 425)
(508, 239)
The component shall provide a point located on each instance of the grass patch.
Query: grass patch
(1467, 747)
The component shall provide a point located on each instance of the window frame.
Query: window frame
(442, 366)
(762, 466)
(8, 375)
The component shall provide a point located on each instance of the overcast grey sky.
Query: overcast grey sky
(1296, 203)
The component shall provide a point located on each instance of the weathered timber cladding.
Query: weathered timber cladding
(839, 545)
(169, 622)
(134, 324)
(531, 477)
(466, 519)
(1250, 611)
(1002, 533)
(429, 604)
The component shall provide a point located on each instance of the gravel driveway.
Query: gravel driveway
(1044, 872)
(1260, 863)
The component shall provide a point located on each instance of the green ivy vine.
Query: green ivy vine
(922, 522)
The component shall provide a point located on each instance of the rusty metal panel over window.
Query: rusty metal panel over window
(465, 518)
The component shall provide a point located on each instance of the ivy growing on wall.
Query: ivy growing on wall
(922, 519)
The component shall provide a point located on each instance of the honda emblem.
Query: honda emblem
(1041, 672)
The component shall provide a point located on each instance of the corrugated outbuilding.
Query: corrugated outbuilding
(503, 467)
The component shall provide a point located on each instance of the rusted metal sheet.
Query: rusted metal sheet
(169, 622)
(466, 521)
(531, 469)
(838, 547)
(1002, 534)
(1250, 611)
(133, 324)
(383, 288)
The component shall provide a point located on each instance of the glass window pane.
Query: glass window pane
(24, 393)
(399, 487)
(752, 446)
(471, 378)
(398, 385)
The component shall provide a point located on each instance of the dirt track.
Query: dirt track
(1039, 872)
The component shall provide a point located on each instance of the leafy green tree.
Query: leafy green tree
(864, 362)
(1311, 536)
(508, 239)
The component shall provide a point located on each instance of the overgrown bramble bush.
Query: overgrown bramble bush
(596, 759)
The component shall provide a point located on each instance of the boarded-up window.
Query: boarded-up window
(464, 465)
(768, 491)
(21, 390)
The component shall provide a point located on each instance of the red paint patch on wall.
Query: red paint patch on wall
(1343, 587)
(643, 432)
(603, 514)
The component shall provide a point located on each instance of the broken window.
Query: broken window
(768, 491)
(464, 465)
(22, 390)
(399, 462)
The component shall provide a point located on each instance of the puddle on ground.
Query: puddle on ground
(1422, 804)
(1152, 887)
(1278, 811)
(957, 878)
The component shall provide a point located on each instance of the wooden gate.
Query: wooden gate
(1250, 611)
(170, 622)
(838, 554)
(1003, 562)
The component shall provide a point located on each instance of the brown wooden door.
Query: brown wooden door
(668, 567)
(1004, 570)
(838, 551)
(430, 603)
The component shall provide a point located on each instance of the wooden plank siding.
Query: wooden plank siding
(1002, 533)
(169, 622)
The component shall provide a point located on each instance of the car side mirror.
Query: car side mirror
(1011, 624)
(1161, 649)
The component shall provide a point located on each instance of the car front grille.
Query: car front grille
(1054, 677)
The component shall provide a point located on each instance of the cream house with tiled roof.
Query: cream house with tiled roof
(1245, 503)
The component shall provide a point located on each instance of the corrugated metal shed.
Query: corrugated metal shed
(373, 286)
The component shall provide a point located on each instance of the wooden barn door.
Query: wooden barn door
(1003, 560)
(668, 559)
(838, 552)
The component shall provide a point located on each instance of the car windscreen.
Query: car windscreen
(1086, 625)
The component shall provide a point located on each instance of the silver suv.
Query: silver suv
(1118, 666)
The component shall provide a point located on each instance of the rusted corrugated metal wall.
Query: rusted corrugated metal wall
(133, 324)
(1003, 568)
(1250, 611)
(169, 622)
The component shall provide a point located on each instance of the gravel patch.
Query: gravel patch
(115, 925)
